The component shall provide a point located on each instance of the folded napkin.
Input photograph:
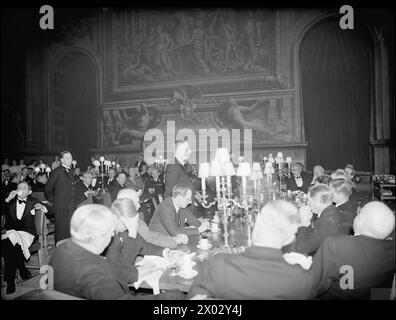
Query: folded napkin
(23, 238)
(298, 258)
(150, 269)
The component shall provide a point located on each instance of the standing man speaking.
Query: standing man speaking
(60, 191)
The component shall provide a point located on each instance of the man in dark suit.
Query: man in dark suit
(80, 271)
(349, 267)
(59, 190)
(347, 208)
(154, 186)
(140, 162)
(171, 216)
(260, 272)
(117, 185)
(110, 179)
(19, 217)
(299, 180)
(176, 172)
(326, 221)
(83, 189)
(39, 182)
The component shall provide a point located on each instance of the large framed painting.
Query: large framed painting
(150, 51)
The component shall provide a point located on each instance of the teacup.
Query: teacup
(203, 242)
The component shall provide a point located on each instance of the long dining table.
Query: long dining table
(237, 237)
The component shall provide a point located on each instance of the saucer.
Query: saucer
(204, 247)
(187, 274)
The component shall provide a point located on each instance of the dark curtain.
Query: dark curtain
(336, 91)
(81, 108)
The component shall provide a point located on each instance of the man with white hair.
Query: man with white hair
(156, 238)
(348, 267)
(80, 270)
(326, 221)
(260, 272)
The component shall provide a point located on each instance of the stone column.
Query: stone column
(380, 124)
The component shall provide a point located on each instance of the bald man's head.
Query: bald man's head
(375, 220)
(130, 194)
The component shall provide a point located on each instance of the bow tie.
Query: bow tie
(21, 201)
(297, 177)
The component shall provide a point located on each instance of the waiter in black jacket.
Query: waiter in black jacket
(60, 191)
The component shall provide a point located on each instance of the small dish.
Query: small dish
(204, 247)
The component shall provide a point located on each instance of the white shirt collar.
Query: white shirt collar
(65, 167)
(340, 204)
(20, 209)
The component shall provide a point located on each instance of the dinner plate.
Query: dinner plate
(204, 247)
(187, 275)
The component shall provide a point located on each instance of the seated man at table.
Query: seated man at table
(80, 271)
(325, 222)
(153, 237)
(127, 244)
(347, 209)
(368, 259)
(171, 216)
(260, 272)
(117, 185)
(300, 180)
(83, 189)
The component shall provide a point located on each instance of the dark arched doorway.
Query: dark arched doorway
(74, 106)
(336, 77)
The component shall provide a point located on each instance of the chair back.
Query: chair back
(40, 223)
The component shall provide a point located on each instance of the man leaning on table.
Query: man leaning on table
(156, 238)
(261, 271)
(172, 215)
(79, 268)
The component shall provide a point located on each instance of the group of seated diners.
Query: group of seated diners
(326, 250)
(295, 254)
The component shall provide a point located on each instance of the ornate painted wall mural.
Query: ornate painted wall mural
(163, 46)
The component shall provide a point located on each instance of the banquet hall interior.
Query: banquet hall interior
(257, 123)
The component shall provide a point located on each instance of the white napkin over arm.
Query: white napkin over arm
(23, 238)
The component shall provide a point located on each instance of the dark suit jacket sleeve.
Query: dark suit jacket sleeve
(147, 248)
(171, 179)
(324, 267)
(98, 286)
(204, 283)
(191, 219)
(50, 186)
(308, 238)
(167, 220)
